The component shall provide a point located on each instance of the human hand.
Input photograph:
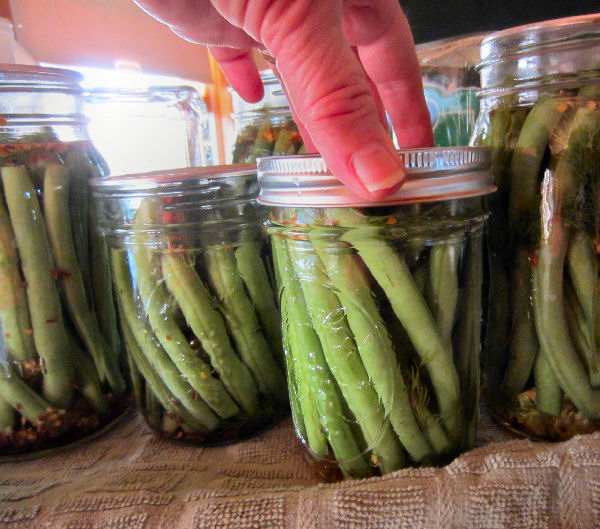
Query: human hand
(340, 63)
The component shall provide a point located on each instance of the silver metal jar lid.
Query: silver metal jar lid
(174, 181)
(433, 174)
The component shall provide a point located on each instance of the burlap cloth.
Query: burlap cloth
(131, 479)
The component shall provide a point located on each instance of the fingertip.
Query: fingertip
(378, 168)
(241, 72)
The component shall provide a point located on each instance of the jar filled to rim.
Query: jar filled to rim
(541, 116)
(381, 308)
(62, 376)
(196, 304)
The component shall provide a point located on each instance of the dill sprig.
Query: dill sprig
(581, 204)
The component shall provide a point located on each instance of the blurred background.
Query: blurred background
(167, 101)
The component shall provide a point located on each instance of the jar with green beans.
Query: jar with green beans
(265, 128)
(196, 303)
(381, 309)
(541, 117)
(62, 374)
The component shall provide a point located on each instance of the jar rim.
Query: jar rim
(126, 93)
(170, 179)
(27, 71)
(529, 37)
(433, 174)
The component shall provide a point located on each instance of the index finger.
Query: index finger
(333, 100)
(379, 30)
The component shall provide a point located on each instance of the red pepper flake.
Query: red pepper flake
(52, 320)
(391, 221)
(28, 331)
(533, 258)
(3, 121)
(168, 336)
(58, 273)
(7, 335)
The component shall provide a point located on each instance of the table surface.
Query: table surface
(130, 478)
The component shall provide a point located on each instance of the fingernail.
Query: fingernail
(377, 168)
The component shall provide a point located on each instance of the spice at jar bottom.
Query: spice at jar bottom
(381, 310)
(196, 305)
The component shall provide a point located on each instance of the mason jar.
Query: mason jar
(450, 84)
(381, 308)
(265, 128)
(541, 116)
(163, 127)
(196, 304)
(61, 367)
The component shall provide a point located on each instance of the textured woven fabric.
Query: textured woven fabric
(131, 479)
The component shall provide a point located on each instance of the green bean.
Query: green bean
(394, 277)
(155, 300)
(296, 407)
(524, 342)
(373, 343)
(264, 142)
(436, 434)
(583, 270)
(317, 382)
(155, 384)
(527, 157)
(79, 166)
(49, 332)
(254, 275)
(15, 322)
(56, 206)
(155, 354)
(468, 337)
(553, 332)
(88, 381)
(137, 380)
(21, 397)
(244, 144)
(340, 351)
(208, 325)
(243, 323)
(549, 397)
(152, 409)
(103, 297)
(577, 324)
(7, 416)
(443, 287)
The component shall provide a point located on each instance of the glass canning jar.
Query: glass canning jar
(61, 370)
(381, 308)
(450, 84)
(195, 300)
(162, 127)
(541, 116)
(265, 128)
